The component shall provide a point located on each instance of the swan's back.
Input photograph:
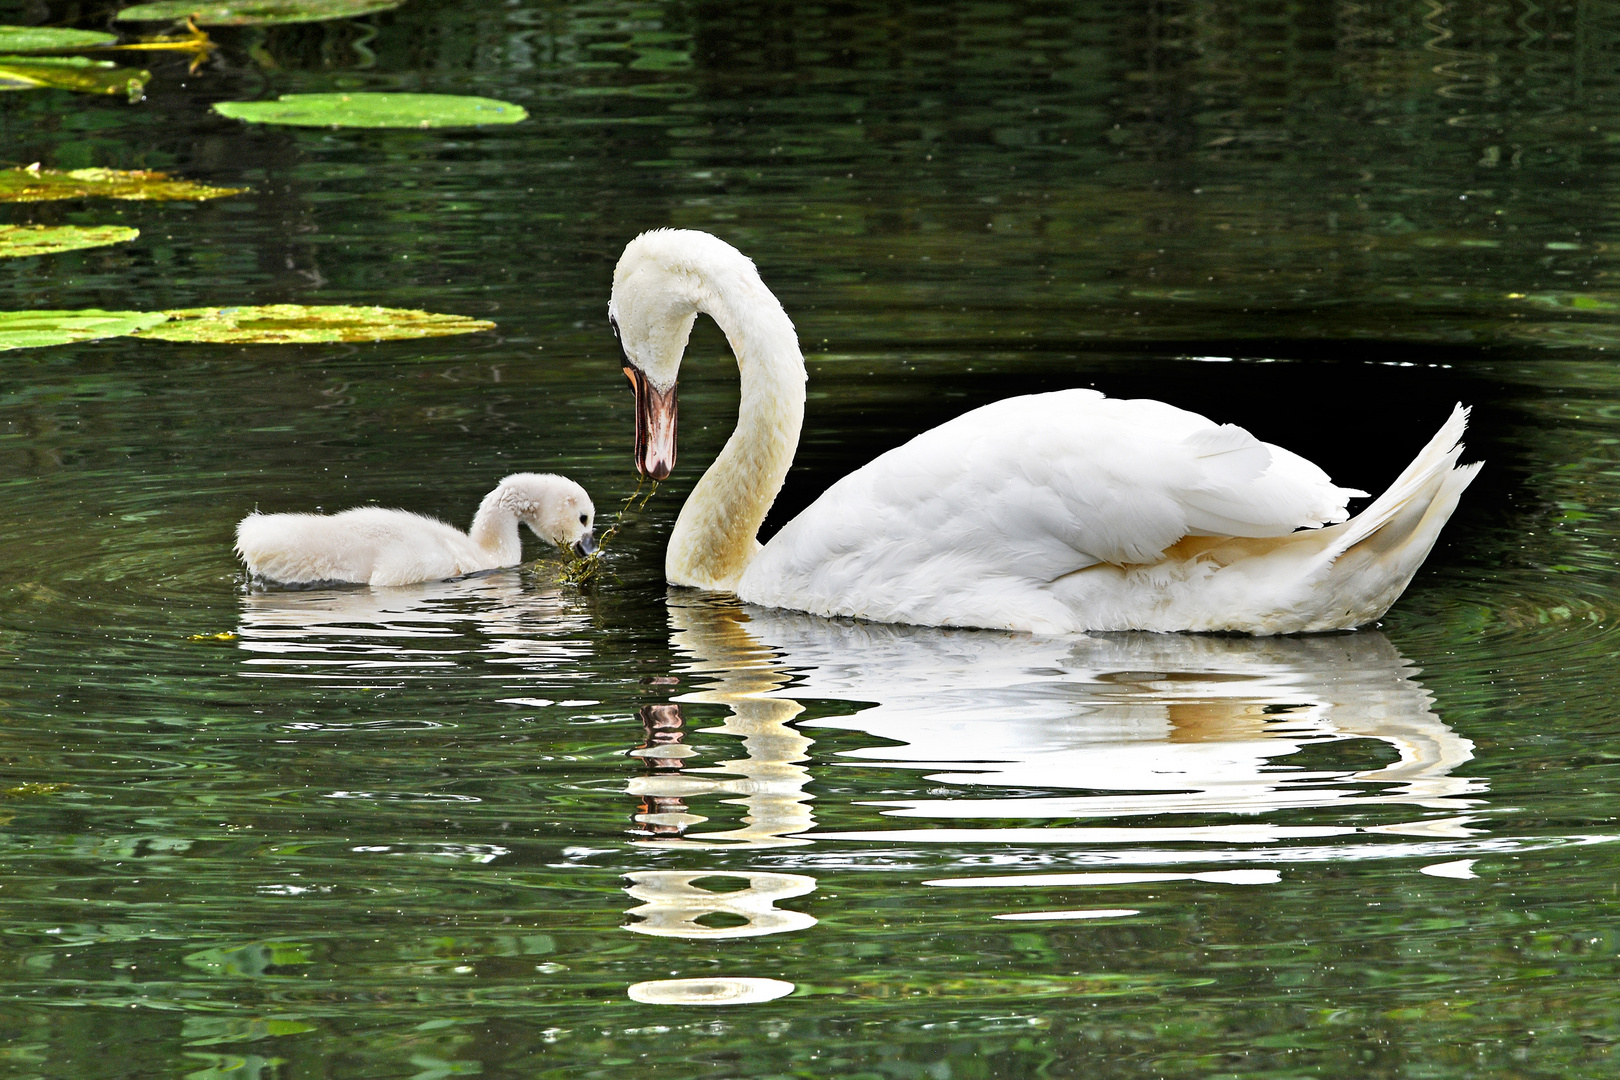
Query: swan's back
(367, 544)
(995, 518)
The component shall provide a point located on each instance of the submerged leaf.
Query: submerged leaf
(36, 329)
(17, 241)
(72, 73)
(374, 110)
(34, 184)
(21, 39)
(295, 324)
(254, 12)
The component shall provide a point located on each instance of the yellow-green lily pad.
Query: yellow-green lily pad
(23, 39)
(295, 324)
(33, 184)
(18, 241)
(72, 73)
(37, 329)
(254, 12)
(363, 110)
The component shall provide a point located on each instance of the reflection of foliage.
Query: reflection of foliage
(374, 110)
(295, 324)
(251, 960)
(28, 791)
(72, 73)
(34, 184)
(17, 241)
(254, 12)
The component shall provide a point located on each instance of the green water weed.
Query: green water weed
(582, 571)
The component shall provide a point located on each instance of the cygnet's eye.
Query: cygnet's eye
(582, 520)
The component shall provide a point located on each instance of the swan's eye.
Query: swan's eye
(614, 322)
(582, 520)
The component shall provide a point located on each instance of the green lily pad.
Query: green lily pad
(33, 184)
(17, 241)
(22, 39)
(295, 324)
(254, 12)
(72, 73)
(374, 110)
(36, 329)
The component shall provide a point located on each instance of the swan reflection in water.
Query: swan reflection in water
(1099, 727)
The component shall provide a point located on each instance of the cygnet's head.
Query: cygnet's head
(555, 507)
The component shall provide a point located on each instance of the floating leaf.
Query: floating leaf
(254, 12)
(22, 39)
(295, 324)
(17, 241)
(34, 184)
(72, 73)
(374, 110)
(36, 329)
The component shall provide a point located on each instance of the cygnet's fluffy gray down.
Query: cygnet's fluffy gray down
(377, 546)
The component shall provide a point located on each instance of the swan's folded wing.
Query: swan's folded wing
(1041, 486)
(1251, 488)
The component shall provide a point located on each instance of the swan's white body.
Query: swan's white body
(1054, 513)
(377, 546)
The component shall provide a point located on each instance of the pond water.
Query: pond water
(504, 827)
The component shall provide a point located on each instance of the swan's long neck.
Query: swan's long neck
(495, 530)
(714, 537)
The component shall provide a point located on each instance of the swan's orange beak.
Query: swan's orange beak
(655, 426)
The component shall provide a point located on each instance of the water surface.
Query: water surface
(505, 827)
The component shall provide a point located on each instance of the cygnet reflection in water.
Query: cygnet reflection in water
(410, 632)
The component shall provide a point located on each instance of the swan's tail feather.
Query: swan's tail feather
(1417, 484)
(1376, 553)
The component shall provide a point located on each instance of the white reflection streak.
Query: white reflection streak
(739, 673)
(672, 905)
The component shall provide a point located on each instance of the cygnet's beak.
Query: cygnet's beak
(655, 426)
(586, 545)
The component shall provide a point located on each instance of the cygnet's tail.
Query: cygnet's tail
(1370, 561)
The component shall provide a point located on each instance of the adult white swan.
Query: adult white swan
(378, 546)
(1054, 512)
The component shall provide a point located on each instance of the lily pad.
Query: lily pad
(36, 329)
(295, 324)
(33, 184)
(17, 241)
(374, 110)
(22, 39)
(72, 73)
(254, 12)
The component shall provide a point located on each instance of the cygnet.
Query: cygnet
(377, 546)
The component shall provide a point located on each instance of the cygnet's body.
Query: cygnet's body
(373, 545)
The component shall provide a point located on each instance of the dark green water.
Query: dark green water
(486, 827)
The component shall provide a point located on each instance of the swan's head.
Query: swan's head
(664, 278)
(555, 507)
